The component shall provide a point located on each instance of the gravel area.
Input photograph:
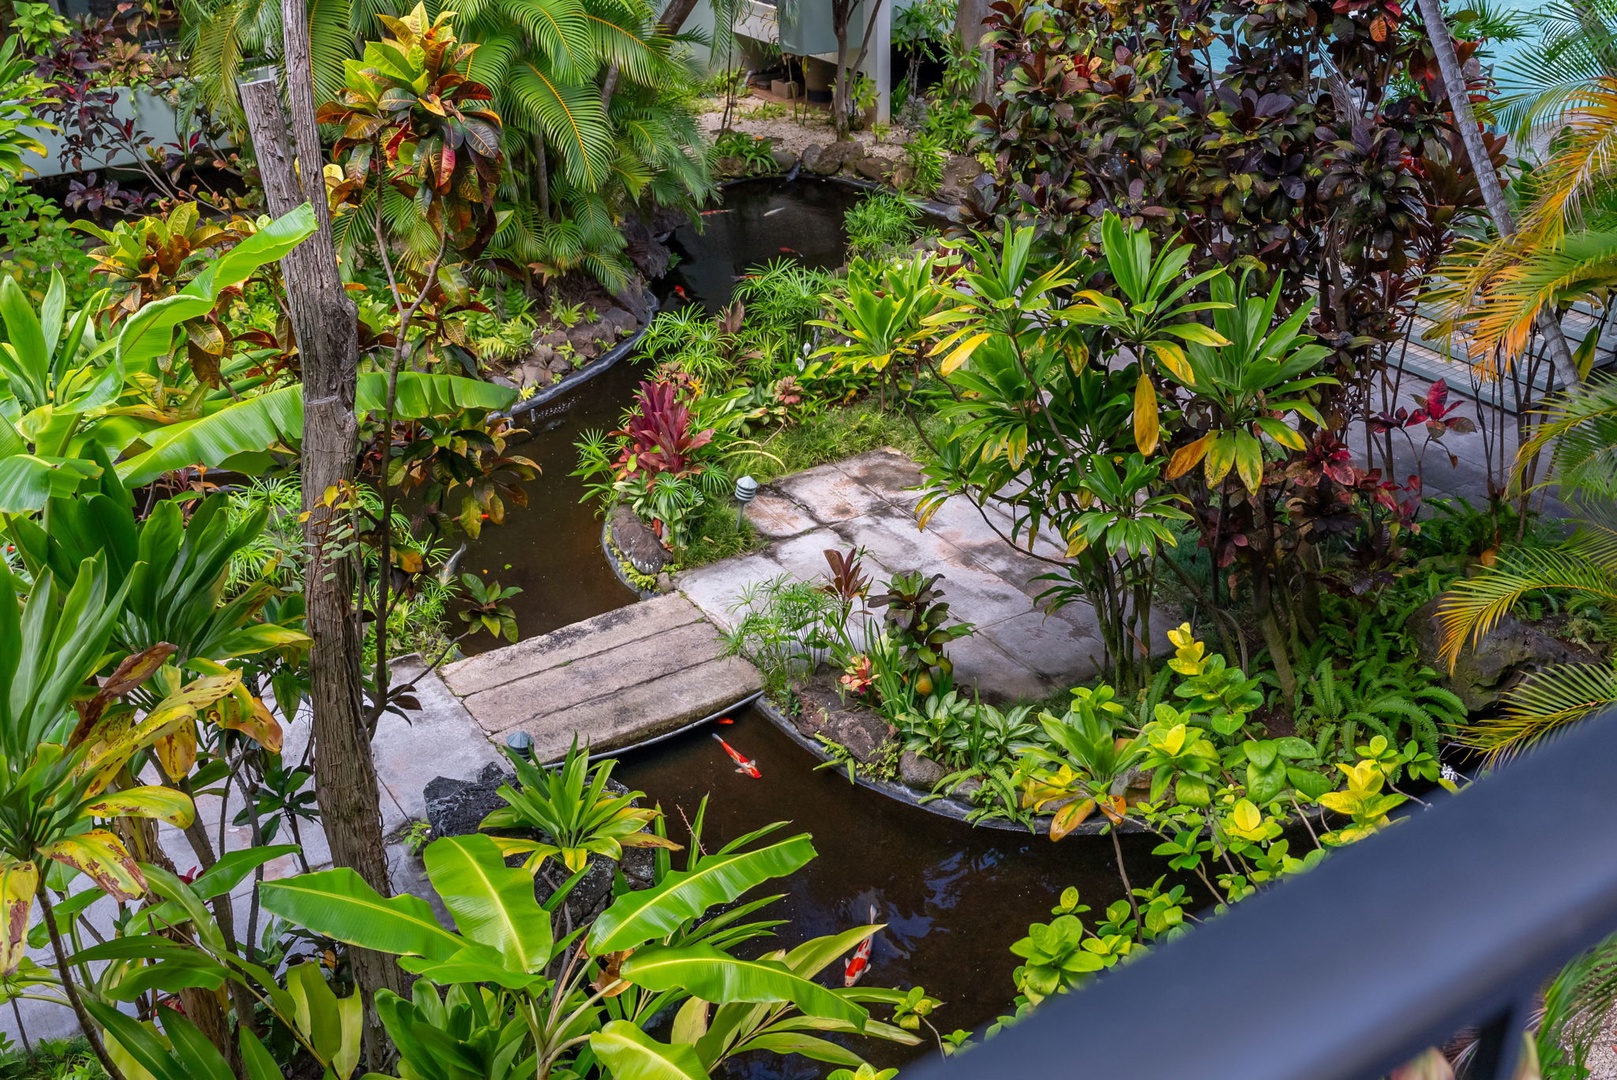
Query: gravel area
(794, 135)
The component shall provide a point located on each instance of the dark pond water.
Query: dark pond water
(552, 549)
(954, 897)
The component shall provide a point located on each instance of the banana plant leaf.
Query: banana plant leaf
(714, 976)
(641, 916)
(274, 419)
(338, 904)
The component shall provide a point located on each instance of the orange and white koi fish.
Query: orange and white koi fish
(859, 962)
(750, 768)
(711, 213)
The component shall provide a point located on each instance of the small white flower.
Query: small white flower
(1448, 773)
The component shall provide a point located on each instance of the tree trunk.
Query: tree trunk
(841, 11)
(674, 15)
(1493, 195)
(324, 322)
(968, 23)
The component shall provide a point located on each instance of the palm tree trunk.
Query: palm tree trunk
(674, 15)
(1493, 195)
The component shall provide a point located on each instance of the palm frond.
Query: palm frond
(561, 29)
(1472, 607)
(571, 119)
(1542, 705)
(1582, 426)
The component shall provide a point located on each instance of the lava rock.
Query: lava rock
(1511, 650)
(542, 355)
(871, 168)
(810, 158)
(621, 323)
(730, 165)
(635, 540)
(458, 807)
(832, 157)
(533, 373)
(559, 366)
(554, 339)
(785, 160)
(859, 731)
(919, 772)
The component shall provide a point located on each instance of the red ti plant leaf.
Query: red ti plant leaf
(659, 434)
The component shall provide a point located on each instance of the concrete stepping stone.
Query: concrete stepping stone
(610, 681)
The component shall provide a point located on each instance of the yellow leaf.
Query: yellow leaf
(961, 354)
(1185, 458)
(18, 882)
(1247, 817)
(1069, 817)
(177, 751)
(1146, 421)
(1172, 358)
(145, 801)
(102, 857)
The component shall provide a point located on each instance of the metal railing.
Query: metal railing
(1452, 919)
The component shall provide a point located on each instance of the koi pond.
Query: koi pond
(552, 550)
(953, 897)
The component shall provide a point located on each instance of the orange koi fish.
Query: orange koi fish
(750, 768)
(859, 962)
(710, 213)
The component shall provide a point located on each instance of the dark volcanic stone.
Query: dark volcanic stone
(458, 807)
(637, 542)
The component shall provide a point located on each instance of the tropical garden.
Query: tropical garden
(1274, 331)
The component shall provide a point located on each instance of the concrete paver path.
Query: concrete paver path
(1018, 652)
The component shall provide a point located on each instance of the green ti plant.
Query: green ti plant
(919, 626)
(574, 809)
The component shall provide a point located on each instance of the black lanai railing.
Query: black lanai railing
(1451, 919)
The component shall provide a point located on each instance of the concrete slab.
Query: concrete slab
(997, 676)
(439, 739)
(1053, 647)
(715, 587)
(830, 494)
(552, 692)
(776, 516)
(646, 709)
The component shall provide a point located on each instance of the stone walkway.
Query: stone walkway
(1017, 653)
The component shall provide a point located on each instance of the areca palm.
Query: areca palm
(1566, 247)
(1583, 428)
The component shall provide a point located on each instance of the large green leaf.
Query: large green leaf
(149, 333)
(809, 1046)
(276, 419)
(27, 482)
(715, 976)
(492, 903)
(631, 1054)
(338, 904)
(638, 917)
